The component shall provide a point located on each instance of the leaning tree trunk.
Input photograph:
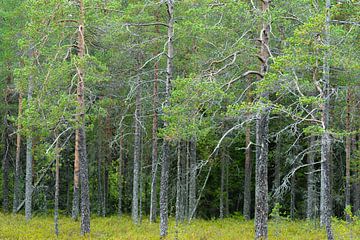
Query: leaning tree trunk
(348, 151)
(137, 152)
(311, 186)
(325, 192)
(164, 181)
(262, 125)
(80, 136)
(17, 160)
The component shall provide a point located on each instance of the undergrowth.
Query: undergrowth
(42, 227)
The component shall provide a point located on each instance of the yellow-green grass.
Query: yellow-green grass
(42, 227)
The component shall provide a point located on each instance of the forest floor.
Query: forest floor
(42, 227)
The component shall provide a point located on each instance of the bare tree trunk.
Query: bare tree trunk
(164, 181)
(17, 160)
(137, 150)
(68, 179)
(178, 184)
(262, 125)
(325, 205)
(154, 155)
(311, 193)
(6, 156)
(222, 183)
(248, 173)
(348, 151)
(57, 182)
(80, 136)
(192, 182)
(293, 196)
(29, 160)
(99, 153)
(120, 173)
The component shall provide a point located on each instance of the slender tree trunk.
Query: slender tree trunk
(348, 151)
(262, 125)
(192, 183)
(164, 181)
(325, 200)
(311, 186)
(17, 186)
(154, 155)
(68, 179)
(277, 169)
(29, 160)
(99, 171)
(137, 151)
(80, 137)
(293, 196)
(120, 173)
(57, 182)
(248, 173)
(6, 156)
(222, 183)
(178, 185)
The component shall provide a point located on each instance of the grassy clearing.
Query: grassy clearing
(41, 227)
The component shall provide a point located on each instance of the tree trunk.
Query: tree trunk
(166, 142)
(311, 186)
(99, 171)
(262, 125)
(192, 182)
(325, 193)
(17, 186)
(293, 197)
(68, 179)
(29, 160)
(248, 173)
(137, 151)
(348, 151)
(57, 182)
(6, 156)
(154, 155)
(222, 183)
(80, 137)
(178, 213)
(120, 173)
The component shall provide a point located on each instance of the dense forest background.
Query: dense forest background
(192, 109)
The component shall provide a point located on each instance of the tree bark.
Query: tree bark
(325, 199)
(137, 152)
(17, 187)
(348, 151)
(222, 183)
(311, 186)
(99, 171)
(192, 180)
(120, 173)
(57, 183)
(262, 125)
(6, 154)
(248, 173)
(80, 135)
(154, 155)
(29, 159)
(164, 181)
